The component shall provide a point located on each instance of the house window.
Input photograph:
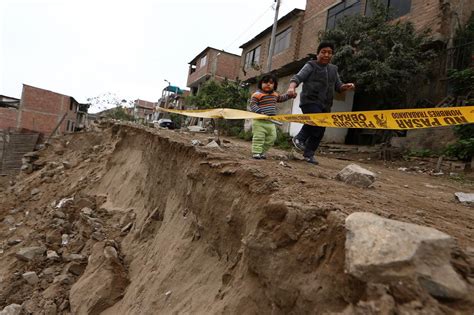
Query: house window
(252, 57)
(397, 8)
(341, 10)
(203, 61)
(282, 40)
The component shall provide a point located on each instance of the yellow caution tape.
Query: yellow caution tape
(378, 119)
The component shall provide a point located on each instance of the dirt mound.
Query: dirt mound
(138, 221)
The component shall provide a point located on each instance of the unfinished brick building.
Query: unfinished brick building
(41, 111)
(212, 63)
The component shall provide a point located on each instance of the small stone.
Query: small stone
(98, 236)
(30, 277)
(59, 214)
(9, 220)
(63, 279)
(50, 308)
(212, 144)
(49, 271)
(52, 255)
(76, 268)
(35, 191)
(110, 252)
(74, 257)
(86, 211)
(13, 242)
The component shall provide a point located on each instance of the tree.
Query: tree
(462, 83)
(215, 94)
(225, 94)
(112, 106)
(384, 59)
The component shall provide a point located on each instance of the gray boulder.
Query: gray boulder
(380, 250)
(466, 198)
(12, 309)
(28, 253)
(355, 175)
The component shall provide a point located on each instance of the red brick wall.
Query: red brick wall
(280, 59)
(314, 21)
(40, 122)
(8, 117)
(424, 14)
(227, 65)
(41, 110)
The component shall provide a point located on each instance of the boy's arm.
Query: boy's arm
(339, 84)
(301, 76)
(342, 87)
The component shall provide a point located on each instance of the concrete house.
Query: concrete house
(297, 34)
(143, 110)
(209, 64)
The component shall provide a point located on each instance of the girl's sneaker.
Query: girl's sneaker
(258, 156)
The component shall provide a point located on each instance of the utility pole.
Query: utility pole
(272, 39)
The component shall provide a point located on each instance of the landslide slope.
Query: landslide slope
(172, 228)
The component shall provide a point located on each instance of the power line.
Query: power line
(246, 30)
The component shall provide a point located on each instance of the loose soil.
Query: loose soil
(202, 230)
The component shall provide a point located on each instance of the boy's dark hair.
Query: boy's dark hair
(325, 45)
(266, 78)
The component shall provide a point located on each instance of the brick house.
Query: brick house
(212, 63)
(297, 40)
(41, 111)
(143, 110)
(8, 111)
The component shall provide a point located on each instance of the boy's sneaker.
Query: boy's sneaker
(257, 156)
(263, 156)
(311, 160)
(299, 145)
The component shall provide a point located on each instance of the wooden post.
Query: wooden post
(55, 128)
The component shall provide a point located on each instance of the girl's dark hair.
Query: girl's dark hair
(266, 78)
(324, 45)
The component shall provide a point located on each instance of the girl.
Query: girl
(263, 101)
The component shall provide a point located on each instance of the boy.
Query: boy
(320, 79)
(263, 101)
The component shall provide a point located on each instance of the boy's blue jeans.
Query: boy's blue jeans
(264, 135)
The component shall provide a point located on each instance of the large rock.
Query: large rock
(12, 309)
(102, 283)
(28, 253)
(466, 198)
(383, 251)
(355, 175)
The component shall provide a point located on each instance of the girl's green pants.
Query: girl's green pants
(264, 135)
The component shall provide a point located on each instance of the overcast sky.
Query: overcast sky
(85, 48)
